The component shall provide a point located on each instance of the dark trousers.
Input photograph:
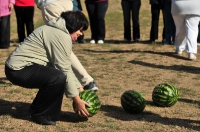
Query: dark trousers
(170, 28)
(24, 17)
(96, 13)
(131, 8)
(51, 84)
(198, 39)
(5, 31)
(155, 13)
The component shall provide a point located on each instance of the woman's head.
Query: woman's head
(75, 20)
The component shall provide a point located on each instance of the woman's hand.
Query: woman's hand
(10, 6)
(80, 107)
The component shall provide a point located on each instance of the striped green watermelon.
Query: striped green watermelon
(133, 101)
(91, 98)
(165, 95)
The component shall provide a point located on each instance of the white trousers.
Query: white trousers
(54, 10)
(186, 32)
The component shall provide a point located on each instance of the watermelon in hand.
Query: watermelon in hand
(165, 95)
(92, 99)
(133, 101)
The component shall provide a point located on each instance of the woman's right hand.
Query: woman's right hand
(80, 106)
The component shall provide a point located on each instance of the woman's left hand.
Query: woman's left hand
(80, 107)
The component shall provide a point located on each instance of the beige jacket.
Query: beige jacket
(48, 45)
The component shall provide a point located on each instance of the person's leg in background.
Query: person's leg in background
(101, 27)
(19, 11)
(155, 13)
(92, 14)
(28, 16)
(169, 25)
(192, 22)
(180, 38)
(126, 7)
(5, 32)
(135, 7)
(78, 7)
(198, 39)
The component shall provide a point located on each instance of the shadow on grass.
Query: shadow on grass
(189, 69)
(15, 109)
(119, 114)
(71, 117)
(189, 101)
(19, 110)
(170, 54)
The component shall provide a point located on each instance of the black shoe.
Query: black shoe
(137, 40)
(91, 86)
(81, 41)
(42, 121)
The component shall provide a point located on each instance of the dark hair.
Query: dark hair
(75, 20)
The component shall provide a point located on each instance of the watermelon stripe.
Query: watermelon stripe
(132, 101)
(165, 95)
(91, 98)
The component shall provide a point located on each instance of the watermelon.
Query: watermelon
(165, 95)
(133, 102)
(91, 98)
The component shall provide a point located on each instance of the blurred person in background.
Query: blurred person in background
(169, 24)
(78, 7)
(156, 8)
(186, 15)
(24, 10)
(131, 10)
(96, 11)
(6, 7)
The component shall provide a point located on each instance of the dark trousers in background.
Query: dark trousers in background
(170, 28)
(51, 84)
(5, 31)
(24, 17)
(155, 13)
(96, 13)
(131, 9)
(198, 39)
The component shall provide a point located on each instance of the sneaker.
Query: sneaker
(137, 40)
(91, 86)
(179, 52)
(92, 41)
(126, 40)
(191, 56)
(100, 42)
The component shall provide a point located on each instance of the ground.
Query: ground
(116, 67)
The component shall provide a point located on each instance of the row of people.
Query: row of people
(25, 12)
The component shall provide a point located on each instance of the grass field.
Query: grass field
(116, 67)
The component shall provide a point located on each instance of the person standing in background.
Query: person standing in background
(24, 10)
(186, 15)
(128, 7)
(169, 25)
(156, 7)
(6, 7)
(78, 7)
(198, 38)
(96, 11)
